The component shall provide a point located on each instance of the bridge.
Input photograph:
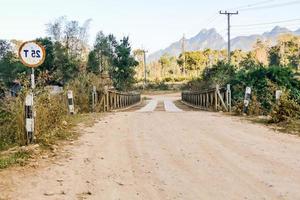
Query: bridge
(160, 148)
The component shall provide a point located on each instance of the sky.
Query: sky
(150, 24)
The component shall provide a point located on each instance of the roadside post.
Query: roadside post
(94, 98)
(278, 94)
(31, 55)
(247, 99)
(71, 102)
(228, 97)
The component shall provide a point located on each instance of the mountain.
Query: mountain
(277, 30)
(213, 40)
(204, 39)
(297, 32)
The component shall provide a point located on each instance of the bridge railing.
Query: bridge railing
(215, 99)
(114, 100)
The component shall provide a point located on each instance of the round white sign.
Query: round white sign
(32, 54)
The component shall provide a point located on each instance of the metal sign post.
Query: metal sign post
(31, 55)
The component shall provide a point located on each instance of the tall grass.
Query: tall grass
(12, 121)
(52, 119)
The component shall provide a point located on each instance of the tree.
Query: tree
(164, 62)
(48, 68)
(72, 35)
(5, 47)
(221, 74)
(249, 61)
(122, 72)
(70, 49)
(100, 58)
(286, 52)
(237, 57)
(11, 68)
(66, 67)
(274, 56)
(140, 69)
(260, 50)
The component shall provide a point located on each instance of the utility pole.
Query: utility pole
(145, 67)
(183, 52)
(228, 23)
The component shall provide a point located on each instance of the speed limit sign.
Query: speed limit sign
(32, 54)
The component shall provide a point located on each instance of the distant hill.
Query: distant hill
(212, 39)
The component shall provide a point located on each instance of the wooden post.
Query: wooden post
(216, 97)
(107, 101)
(230, 101)
(115, 100)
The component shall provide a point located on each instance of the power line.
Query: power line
(271, 6)
(216, 16)
(245, 29)
(265, 23)
(254, 4)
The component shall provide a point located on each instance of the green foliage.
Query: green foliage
(5, 47)
(101, 57)
(274, 55)
(113, 57)
(48, 64)
(51, 111)
(16, 158)
(249, 61)
(286, 52)
(82, 87)
(122, 71)
(93, 65)
(264, 82)
(11, 68)
(12, 121)
(221, 74)
(158, 85)
(286, 110)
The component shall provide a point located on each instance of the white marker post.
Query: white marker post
(278, 94)
(94, 98)
(31, 55)
(247, 99)
(71, 102)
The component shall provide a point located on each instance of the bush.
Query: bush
(12, 121)
(158, 86)
(51, 112)
(286, 110)
(168, 79)
(264, 81)
(82, 87)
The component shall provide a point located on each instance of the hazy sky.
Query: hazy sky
(151, 24)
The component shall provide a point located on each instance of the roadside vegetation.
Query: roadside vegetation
(265, 69)
(71, 65)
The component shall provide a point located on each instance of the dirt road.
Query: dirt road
(174, 154)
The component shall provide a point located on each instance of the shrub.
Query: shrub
(12, 121)
(82, 87)
(158, 86)
(168, 79)
(51, 112)
(264, 82)
(285, 110)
